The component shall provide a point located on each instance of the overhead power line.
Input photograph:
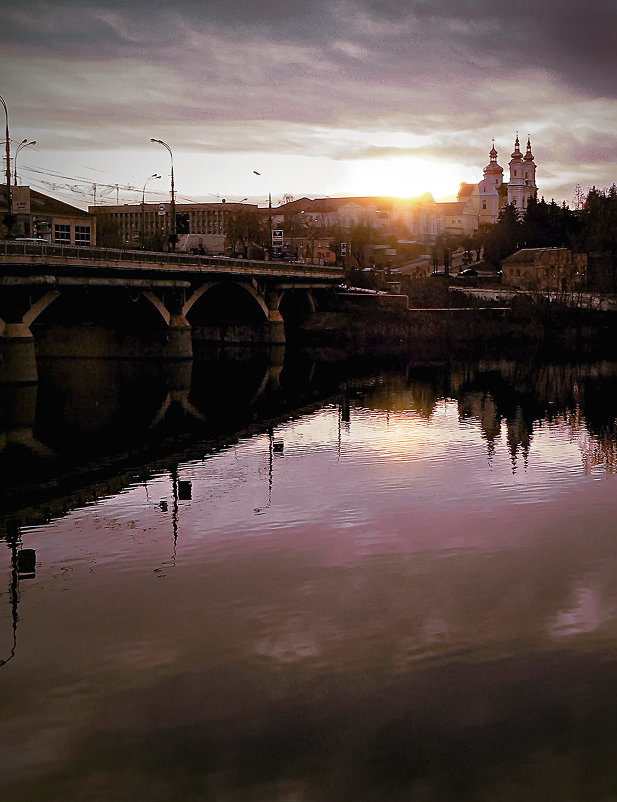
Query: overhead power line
(81, 179)
(91, 190)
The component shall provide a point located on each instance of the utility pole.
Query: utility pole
(173, 237)
(9, 200)
(269, 246)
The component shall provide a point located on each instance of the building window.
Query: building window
(484, 204)
(62, 234)
(82, 235)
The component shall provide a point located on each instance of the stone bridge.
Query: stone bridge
(85, 302)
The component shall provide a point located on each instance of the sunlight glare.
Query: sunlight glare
(406, 177)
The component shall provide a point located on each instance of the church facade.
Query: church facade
(482, 202)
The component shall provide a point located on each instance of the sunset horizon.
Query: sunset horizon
(355, 97)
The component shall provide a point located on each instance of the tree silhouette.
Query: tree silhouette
(505, 236)
(244, 228)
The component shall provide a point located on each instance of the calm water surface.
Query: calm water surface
(407, 591)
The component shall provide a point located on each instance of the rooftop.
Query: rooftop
(44, 204)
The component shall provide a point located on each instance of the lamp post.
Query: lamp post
(9, 202)
(172, 238)
(269, 208)
(23, 144)
(142, 234)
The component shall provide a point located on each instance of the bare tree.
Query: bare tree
(244, 228)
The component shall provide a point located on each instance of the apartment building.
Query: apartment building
(39, 215)
(148, 225)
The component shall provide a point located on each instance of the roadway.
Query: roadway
(88, 261)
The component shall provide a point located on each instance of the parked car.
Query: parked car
(33, 240)
(468, 272)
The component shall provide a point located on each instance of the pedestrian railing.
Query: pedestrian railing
(12, 248)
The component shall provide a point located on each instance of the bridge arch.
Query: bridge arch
(226, 291)
(138, 302)
(38, 307)
(230, 311)
(99, 321)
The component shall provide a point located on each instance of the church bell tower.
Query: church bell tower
(522, 184)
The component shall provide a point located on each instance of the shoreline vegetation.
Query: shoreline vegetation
(360, 323)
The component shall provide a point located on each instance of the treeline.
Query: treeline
(592, 229)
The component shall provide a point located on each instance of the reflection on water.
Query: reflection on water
(404, 590)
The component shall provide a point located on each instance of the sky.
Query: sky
(336, 98)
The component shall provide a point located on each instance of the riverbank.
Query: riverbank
(365, 323)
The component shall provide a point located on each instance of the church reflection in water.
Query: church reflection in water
(90, 419)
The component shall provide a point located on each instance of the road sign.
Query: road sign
(343, 248)
(161, 209)
(277, 236)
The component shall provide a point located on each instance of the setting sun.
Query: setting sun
(405, 177)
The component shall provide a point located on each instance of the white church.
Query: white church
(481, 203)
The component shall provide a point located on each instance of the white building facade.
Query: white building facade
(483, 201)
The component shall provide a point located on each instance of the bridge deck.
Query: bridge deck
(65, 258)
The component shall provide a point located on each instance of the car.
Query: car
(468, 272)
(33, 240)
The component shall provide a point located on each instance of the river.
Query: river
(302, 580)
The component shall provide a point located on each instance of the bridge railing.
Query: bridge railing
(10, 248)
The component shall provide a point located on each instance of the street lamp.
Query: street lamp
(9, 202)
(142, 235)
(23, 144)
(269, 208)
(172, 242)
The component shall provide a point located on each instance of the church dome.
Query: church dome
(517, 150)
(492, 167)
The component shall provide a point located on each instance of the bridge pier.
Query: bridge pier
(19, 404)
(275, 325)
(275, 368)
(17, 354)
(179, 339)
(275, 328)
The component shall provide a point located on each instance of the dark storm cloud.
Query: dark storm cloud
(404, 41)
(296, 77)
